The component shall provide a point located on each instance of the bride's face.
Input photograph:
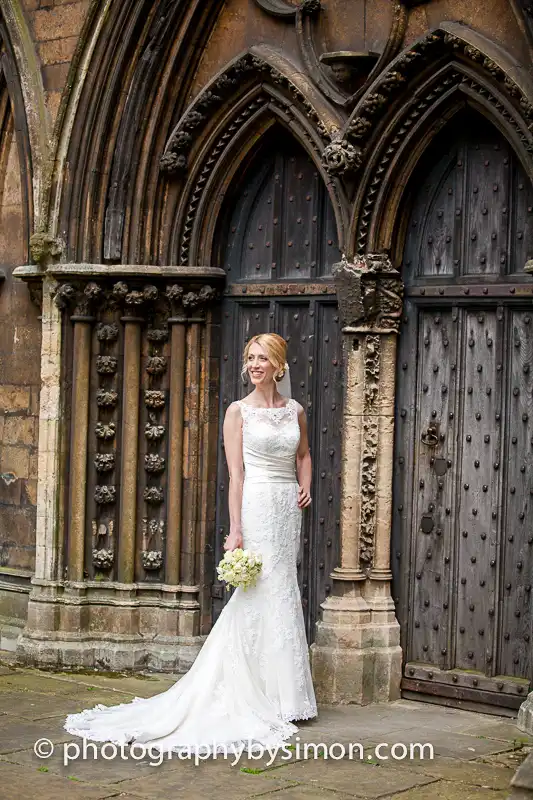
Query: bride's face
(260, 370)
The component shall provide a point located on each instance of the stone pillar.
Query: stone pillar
(175, 432)
(82, 320)
(130, 449)
(356, 657)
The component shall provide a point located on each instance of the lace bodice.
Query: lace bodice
(270, 440)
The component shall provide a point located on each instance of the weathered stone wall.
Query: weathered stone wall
(19, 397)
(55, 26)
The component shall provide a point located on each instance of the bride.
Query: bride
(252, 678)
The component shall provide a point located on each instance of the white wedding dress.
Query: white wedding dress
(252, 676)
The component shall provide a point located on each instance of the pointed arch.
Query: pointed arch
(409, 103)
(21, 78)
(128, 83)
(215, 134)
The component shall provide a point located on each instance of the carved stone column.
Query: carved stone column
(193, 304)
(356, 657)
(132, 301)
(177, 323)
(82, 319)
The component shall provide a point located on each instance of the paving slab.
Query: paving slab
(352, 777)
(33, 706)
(21, 735)
(306, 793)
(446, 790)
(99, 770)
(20, 783)
(474, 773)
(445, 743)
(198, 782)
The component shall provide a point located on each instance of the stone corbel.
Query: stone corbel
(370, 294)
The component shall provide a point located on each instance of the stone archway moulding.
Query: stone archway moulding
(392, 124)
(32, 90)
(209, 141)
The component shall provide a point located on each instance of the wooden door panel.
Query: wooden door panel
(486, 212)
(478, 487)
(433, 489)
(517, 506)
(463, 539)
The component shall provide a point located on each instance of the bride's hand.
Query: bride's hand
(233, 541)
(304, 498)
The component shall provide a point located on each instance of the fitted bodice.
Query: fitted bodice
(270, 440)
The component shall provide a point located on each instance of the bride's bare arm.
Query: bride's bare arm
(303, 462)
(232, 431)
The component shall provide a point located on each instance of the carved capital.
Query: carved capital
(134, 300)
(369, 294)
(80, 299)
(341, 158)
(182, 302)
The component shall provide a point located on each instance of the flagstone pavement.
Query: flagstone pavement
(474, 755)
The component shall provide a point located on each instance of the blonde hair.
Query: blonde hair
(276, 350)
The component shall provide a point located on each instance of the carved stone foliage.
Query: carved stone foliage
(372, 363)
(390, 87)
(154, 463)
(105, 431)
(153, 495)
(78, 298)
(106, 365)
(103, 555)
(157, 335)
(340, 157)
(369, 293)
(154, 398)
(154, 432)
(371, 355)
(368, 490)
(106, 398)
(104, 462)
(107, 333)
(105, 494)
(152, 559)
(156, 365)
(237, 75)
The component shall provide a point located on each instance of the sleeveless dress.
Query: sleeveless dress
(252, 676)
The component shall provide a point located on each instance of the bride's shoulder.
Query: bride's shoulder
(233, 411)
(298, 406)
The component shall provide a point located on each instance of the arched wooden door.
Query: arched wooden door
(277, 244)
(463, 496)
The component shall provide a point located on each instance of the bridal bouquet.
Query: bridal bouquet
(239, 568)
